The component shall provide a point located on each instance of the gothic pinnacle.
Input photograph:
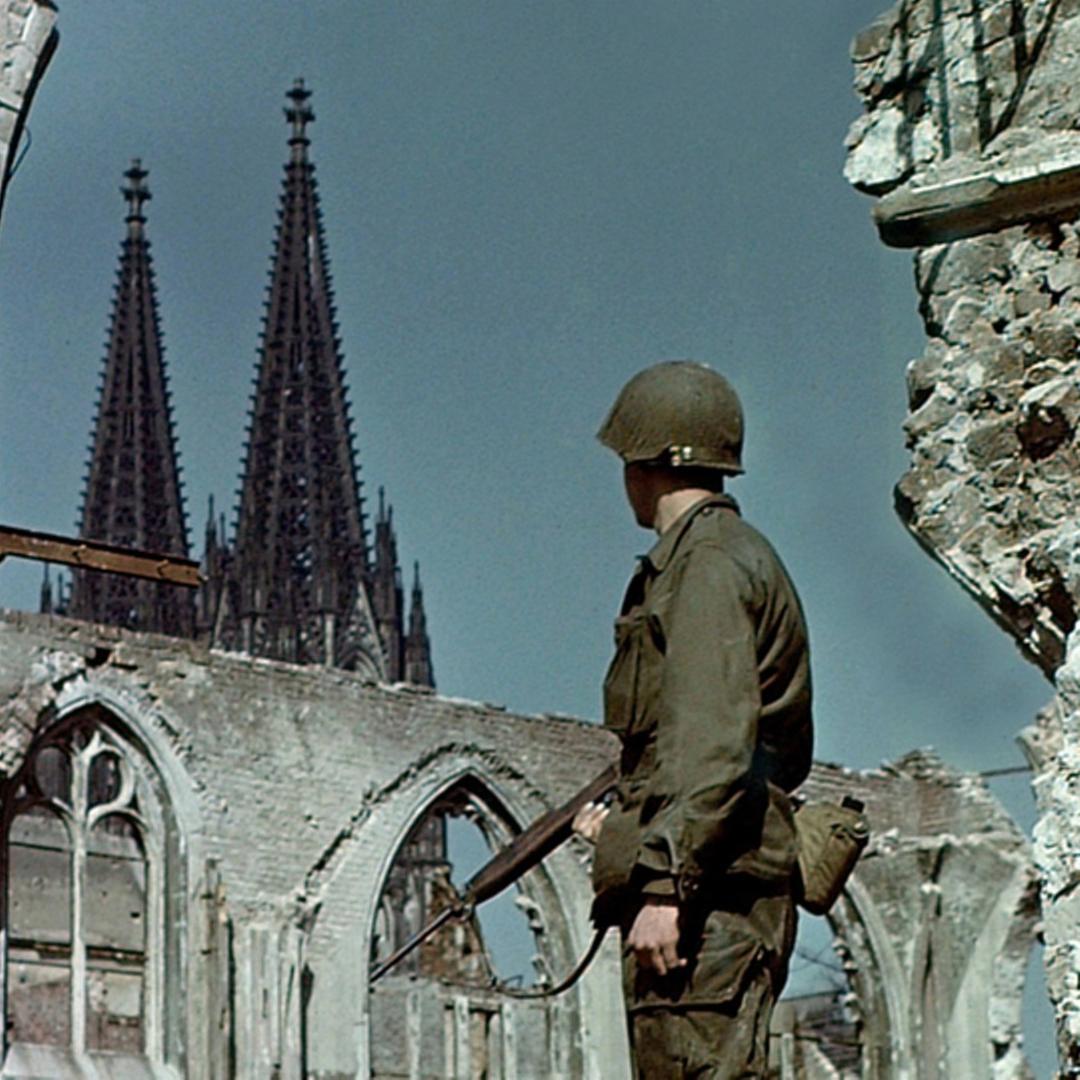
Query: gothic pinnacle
(299, 114)
(136, 192)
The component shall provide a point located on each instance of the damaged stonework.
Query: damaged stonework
(970, 137)
(28, 38)
(937, 924)
(282, 797)
(26, 701)
(272, 801)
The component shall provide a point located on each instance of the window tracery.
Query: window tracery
(447, 999)
(84, 906)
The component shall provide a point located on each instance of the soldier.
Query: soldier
(709, 692)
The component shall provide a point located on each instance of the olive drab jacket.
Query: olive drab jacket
(709, 691)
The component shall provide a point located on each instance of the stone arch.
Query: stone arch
(151, 729)
(99, 726)
(937, 979)
(878, 981)
(477, 798)
(812, 1026)
(348, 895)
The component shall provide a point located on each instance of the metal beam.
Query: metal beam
(94, 555)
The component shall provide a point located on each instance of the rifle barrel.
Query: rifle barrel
(416, 940)
(525, 851)
(536, 843)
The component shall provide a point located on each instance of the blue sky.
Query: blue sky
(524, 204)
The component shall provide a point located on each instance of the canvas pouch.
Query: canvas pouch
(830, 839)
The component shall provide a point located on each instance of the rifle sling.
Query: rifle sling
(559, 988)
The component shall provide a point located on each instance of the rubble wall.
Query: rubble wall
(969, 139)
(294, 787)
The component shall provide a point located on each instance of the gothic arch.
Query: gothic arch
(142, 803)
(909, 1018)
(348, 900)
(485, 1024)
(148, 727)
(878, 980)
(477, 797)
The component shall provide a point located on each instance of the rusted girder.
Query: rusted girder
(94, 555)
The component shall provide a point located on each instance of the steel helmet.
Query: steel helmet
(678, 413)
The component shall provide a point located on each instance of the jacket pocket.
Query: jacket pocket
(633, 678)
(620, 683)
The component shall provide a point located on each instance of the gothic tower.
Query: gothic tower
(133, 495)
(299, 583)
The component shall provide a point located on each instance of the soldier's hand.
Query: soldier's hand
(654, 937)
(588, 819)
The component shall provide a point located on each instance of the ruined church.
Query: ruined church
(216, 811)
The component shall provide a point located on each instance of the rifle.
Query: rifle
(525, 851)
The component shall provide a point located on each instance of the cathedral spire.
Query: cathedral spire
(418, 666)
(133, 491)
(46, 606)
(137, 194)
(300, 559)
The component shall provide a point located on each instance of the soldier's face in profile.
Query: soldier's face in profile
(641, 492)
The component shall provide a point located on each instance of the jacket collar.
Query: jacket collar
(665, 547)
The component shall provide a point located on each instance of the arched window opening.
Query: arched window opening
(456, 836)
(444, 1010)
(39, 929)
(816, 1028)
(115, 900)
(84, 904)
(509, 922)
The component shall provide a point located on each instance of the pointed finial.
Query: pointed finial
(46, 605)
(416, 579)
(382, 503)
(136, 192)
(299, 114)
(211, 530)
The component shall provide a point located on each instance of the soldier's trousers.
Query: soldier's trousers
(710, 1020)
(720, 1042)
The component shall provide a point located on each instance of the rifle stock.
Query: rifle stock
(536, 843)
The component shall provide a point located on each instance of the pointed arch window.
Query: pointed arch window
(84, 909)
(457, 1021)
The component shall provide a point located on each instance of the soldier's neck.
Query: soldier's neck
(671, 506)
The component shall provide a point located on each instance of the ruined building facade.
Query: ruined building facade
(201, 850)
(28, 39)
(969, 140)
(199, 847)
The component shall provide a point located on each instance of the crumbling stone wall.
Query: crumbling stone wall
(28, 39)
(969, 137)
(936, 927)
(293, 789)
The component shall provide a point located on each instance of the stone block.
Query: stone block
(876, 161)
(992, 441)
(875, 39)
